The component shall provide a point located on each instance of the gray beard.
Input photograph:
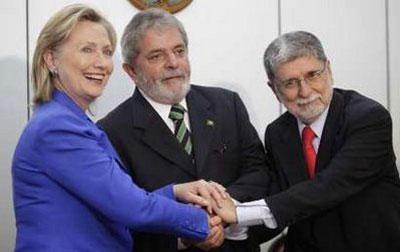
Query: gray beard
(160, 93)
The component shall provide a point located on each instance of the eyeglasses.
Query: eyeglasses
(310, 78)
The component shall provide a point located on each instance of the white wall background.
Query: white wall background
(13, 105)
(227, 40)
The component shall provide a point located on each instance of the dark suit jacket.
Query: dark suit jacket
(353, 204)
(226, 147)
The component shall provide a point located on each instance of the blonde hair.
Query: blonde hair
(54, 34)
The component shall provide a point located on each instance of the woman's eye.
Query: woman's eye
(87, 49)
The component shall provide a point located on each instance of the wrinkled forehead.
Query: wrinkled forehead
(290, 56)
(298, 66)
(158, 37)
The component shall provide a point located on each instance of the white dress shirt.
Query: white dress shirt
(164, 109)
(317, 126)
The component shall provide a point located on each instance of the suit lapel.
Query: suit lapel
(202, 124)
(331, 128)
(157, 135)
(292, 159)
(292, 153)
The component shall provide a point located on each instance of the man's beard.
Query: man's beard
(163, 93)
(308, 110)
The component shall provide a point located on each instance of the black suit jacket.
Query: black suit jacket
(353, 204)
(226, 148)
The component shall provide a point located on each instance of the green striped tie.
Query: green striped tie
(181, 132)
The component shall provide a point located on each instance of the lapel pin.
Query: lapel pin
(210, 123)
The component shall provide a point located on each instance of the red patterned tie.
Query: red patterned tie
(308, 136)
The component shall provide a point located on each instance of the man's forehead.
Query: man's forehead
(297, 66)
(161, 28)
(306, 60)
(160, 37)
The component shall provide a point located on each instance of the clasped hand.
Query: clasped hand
(209, 195)
(220, 207)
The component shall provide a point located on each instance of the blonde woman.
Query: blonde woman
(71, 191)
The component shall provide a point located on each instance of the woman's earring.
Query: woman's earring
(54, 71)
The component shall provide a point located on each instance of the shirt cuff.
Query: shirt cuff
(255, 213)
(236, 232)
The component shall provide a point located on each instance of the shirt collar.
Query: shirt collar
(162, 109)
(63, 99)
(317, 126)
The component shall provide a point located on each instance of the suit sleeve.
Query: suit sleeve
(75, 159)
(365, 157)
(260, 234)
(257, 178)
(253, 180)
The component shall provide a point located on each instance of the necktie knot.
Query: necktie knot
(308, 135)
(177, 112)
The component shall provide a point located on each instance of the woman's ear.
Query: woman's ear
(50, 60)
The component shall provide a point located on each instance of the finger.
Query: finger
(217, 237)
(213, 232)
(204, 191)
(220, 189)
(212, 193)
(206, 244)
(217, 190)
(215, 220)
(216, 209)
(198, 200)
(221, 238)
(218, 199)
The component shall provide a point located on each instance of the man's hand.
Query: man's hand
(202, 193)
(227, 211)
(214, 239)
